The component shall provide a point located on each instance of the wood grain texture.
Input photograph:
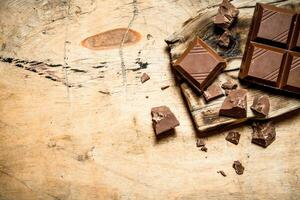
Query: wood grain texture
(206, 115)
(86, 137)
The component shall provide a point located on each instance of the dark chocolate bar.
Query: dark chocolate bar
(200, 65)
(272, 54)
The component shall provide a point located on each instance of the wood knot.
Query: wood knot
(112, 39)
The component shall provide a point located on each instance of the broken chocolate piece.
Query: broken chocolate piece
(227, 13)
(222, 173)
(224, 39)
(229, 85)
(235, 104)
(204, 148)
(163, 119)
(239, 168)
(233, 137)
(200, 142)
(214, 91)
(263, 133)
(261, 105)
(199, 65)
(145, 77)
(221, 21)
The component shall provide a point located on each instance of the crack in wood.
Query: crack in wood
(65, 47)
(135, 13)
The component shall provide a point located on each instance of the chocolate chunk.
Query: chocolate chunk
(145, 77)
(163, 119)
(271, 57)
(263, 133)
(199, 65)
(233, 137)
(224, 39)
(261, 105)
(222, 21)
(229, 85)
(235, 104)
(200, 142)
(222, 173)
(214, 91)
(204, 148)
(227, 13)
(239, 168)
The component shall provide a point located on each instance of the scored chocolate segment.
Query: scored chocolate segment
(199, 64)
(295, 42)
(275, 24)
(292, 75)
(265, 63)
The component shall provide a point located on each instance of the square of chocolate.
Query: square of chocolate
(264, 63)
(275, 24)
(295, 42)
(199, 64)
(291, 80)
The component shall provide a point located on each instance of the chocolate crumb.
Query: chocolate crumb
(229, 85)
(164, 87)
(227, 92)
(200, 142)
(204, 148)
(222, 173)
(145, 77)
(239, 168)
(233, 137)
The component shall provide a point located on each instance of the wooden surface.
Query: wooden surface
(206, 114)
(79, 126)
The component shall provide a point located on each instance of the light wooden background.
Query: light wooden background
(64, 143)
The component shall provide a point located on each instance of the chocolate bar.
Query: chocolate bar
(272, 54)
(199, 64)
